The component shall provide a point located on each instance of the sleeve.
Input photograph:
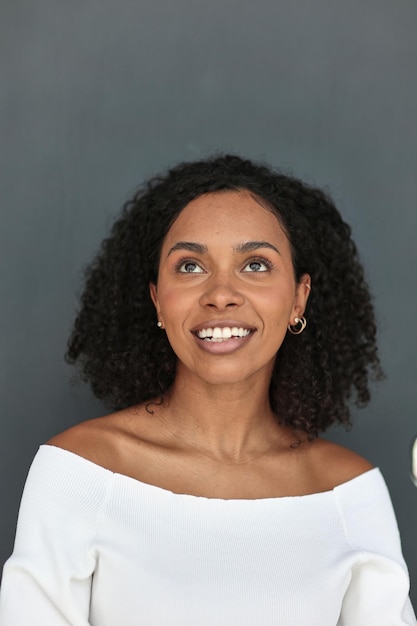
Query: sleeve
(47, 580)
(378, 593)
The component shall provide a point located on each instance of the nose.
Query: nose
(221, 292)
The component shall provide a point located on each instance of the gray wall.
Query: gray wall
(97, 95)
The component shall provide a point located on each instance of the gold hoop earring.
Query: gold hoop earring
(302, 323)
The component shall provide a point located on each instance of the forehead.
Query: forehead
(230, 215)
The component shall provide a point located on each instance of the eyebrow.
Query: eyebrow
(241, 248)
(198, 248)
(249, 246)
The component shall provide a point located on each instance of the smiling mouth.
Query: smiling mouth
(218, 335)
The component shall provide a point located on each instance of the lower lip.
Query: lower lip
(223, 347)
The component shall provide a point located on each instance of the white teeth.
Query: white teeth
(221, 334)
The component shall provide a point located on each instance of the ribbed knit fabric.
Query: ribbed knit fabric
(98, 548)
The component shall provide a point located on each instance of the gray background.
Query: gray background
(97, 95)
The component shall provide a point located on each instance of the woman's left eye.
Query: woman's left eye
(189, 267)
(257, 266)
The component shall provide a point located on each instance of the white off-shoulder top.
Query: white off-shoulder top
(102, 549)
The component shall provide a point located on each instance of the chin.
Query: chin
(231, 376)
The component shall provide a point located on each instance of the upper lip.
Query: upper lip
(222, 324)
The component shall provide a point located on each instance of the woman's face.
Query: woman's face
(226, 288)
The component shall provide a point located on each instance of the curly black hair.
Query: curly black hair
(317, 374)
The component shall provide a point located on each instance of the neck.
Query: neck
(231, 422)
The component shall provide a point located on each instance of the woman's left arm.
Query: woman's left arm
(378, 593)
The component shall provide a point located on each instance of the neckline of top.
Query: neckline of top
(168, 492)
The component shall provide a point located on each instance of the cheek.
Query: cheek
(279, 302)
(175, 305)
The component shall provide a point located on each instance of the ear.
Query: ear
(154, 296)
(302, 293)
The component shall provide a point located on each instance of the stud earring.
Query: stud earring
(159, 324)
(298, 326)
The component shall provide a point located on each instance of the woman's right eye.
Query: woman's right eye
(189, 267)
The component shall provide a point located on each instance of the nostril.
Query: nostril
(227, 305)
(221, 297)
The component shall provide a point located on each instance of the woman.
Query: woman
(227, 319)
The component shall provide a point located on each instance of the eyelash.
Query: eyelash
(184, 261)
(259, 259)
(262, 261)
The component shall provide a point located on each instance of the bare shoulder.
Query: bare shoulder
(334, 464)
(103, 440)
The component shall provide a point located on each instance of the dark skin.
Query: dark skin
(131, 443)
(225, 263)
